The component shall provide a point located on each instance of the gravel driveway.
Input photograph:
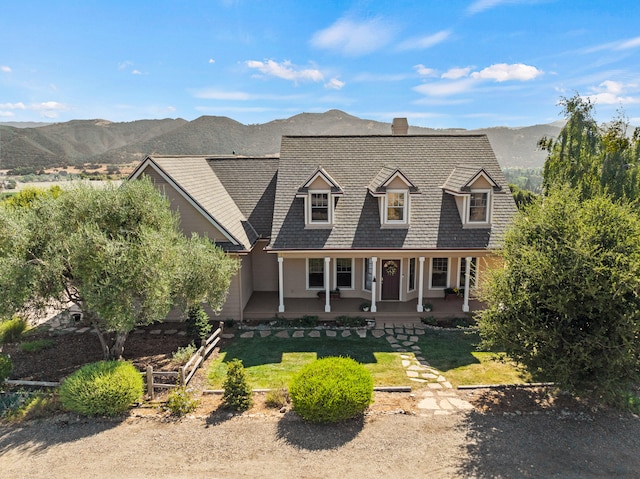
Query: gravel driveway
(465, 444)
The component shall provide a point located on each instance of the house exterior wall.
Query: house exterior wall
(191, 220)
(264, 269)
(233, 305)
(295, 273)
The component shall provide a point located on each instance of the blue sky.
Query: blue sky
(442, 64)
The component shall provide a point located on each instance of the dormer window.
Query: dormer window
(319, 207)
(396, 207)
(320, 193)
(478, 207)
(393, 190)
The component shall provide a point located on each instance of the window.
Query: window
(368, 274)
(439, 269)
(344, 273)
(412, 274)
(396, 211)
(319, 204)
(478, 207)
(315, 276)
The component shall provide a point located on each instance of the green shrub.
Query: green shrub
(182, 355)
(36, 345)
(181, 401)
(351, 321)
(6, 366)
(277, 398)
(331, 390)
(198, 325)
(237, 393)
(11, 330)
(104, 388)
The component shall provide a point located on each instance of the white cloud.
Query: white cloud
(613, 93)
(285, 70)
(136, 72)
(49, 109)
(379, 77)
(6, 114)
(211, 60)
(425, 42)
(124, 65)
(13, 106)
(353, 37)
(424, 71)
(482, 5)
(334, 84)
(213, 94)
(446, 88)
(504, 72)
(5, 69)
(455, 73)
(631, 43)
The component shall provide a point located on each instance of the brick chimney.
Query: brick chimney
(400, 126)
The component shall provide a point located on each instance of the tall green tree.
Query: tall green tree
(566, 303)
(116, 252)
(590, 158)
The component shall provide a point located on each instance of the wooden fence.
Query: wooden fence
(181, 377)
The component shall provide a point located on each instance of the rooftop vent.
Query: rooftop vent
(400, 126)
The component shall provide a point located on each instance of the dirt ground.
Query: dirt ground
(546, 442)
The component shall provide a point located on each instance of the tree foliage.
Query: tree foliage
(566, 304)
(593, 159)
(117, 252)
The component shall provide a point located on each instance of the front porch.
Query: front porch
(264, 305)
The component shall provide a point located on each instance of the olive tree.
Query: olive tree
(565, 302)
(116, 252)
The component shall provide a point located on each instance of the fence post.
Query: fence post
(150, 381)
(181, 376)
(221, 326)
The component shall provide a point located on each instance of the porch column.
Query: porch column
(467, 270)
(420, 308)
(327, 285)
(280, 285)
(374, 268)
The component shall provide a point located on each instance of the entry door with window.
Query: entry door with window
(390, 280)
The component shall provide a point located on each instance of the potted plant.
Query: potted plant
(365, 306)
(427, 307)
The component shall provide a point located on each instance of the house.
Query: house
(381, 219)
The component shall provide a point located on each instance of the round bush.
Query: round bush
(105, 388)
(331, 390)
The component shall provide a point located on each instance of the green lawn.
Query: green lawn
(271, 362)
(455, 353)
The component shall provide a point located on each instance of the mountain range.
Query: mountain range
(78, 142)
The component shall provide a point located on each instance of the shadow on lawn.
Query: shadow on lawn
(270, 350)
(317, 437)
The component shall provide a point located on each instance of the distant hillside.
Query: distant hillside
(98, 141)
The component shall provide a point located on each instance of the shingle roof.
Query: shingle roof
(356, 162)
(462, 176)
(234, 192)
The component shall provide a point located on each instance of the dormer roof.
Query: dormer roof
(462, 178)
(385, 177)
(321, 173)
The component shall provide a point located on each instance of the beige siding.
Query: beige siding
(265, 269)
(319, 184)
(246, 279)
(232, 307)
(191, 220)
(481, 183)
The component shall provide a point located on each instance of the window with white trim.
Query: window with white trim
(344, 273)
(396, 207)
(368, 274)
(439, 272)
(473, 268)
(319, 208)
(315, 273)
(479, 207)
